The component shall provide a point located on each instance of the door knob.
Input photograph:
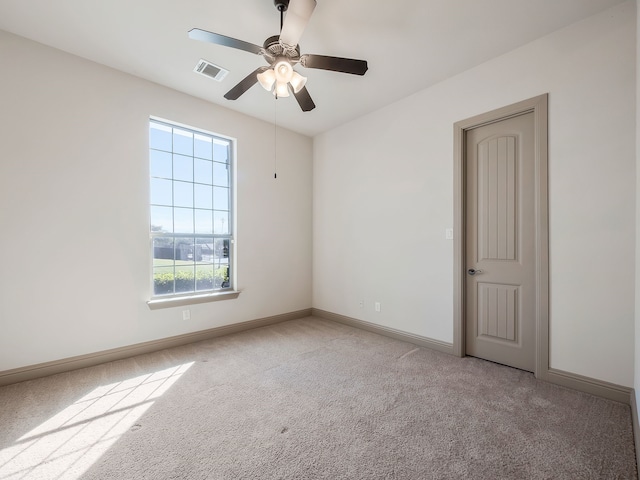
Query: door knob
(473, 271)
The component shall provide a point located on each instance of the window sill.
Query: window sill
(191, 299)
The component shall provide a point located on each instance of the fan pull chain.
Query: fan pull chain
(275, 138)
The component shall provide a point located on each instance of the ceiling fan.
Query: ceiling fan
(282, 52)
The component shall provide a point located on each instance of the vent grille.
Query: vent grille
(210, 70)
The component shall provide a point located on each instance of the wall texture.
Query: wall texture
(74, 216)
(383, 196)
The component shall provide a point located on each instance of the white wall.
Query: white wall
(636, 382)
(383, 196)
(74, 209)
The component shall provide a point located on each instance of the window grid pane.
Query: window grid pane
(190, 199)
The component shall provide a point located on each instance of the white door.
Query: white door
(500, 242)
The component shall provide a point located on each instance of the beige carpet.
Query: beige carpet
(308, 399)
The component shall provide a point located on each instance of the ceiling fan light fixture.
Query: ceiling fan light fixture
(281, 90)
(267, 79)
(283, 70)
(297, 82)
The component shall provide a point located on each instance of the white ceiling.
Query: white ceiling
(409, 44)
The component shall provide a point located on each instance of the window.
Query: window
(191, 210)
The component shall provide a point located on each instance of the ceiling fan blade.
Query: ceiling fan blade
(335, 64)
(204, 36)
(304, 100)
(244, 85)
(298, 15)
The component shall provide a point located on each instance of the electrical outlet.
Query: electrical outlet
(186, 314)
(377, 306)
(361, 303)
(448, 233)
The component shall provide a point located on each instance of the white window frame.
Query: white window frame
(227, 289)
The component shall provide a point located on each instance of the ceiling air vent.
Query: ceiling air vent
(210, 70)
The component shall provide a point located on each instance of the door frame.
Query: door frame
(539, 106)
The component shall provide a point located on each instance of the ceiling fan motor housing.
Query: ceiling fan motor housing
(274, 49)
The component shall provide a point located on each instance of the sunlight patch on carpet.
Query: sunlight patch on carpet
(67, 444)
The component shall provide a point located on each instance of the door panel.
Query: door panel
(496, 198)
(498, 311)
(500, 292)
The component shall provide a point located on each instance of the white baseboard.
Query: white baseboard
(31, 372)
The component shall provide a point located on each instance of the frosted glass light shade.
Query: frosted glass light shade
(281, 89)
(283, 70)
(267, 79)
(297, 82)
